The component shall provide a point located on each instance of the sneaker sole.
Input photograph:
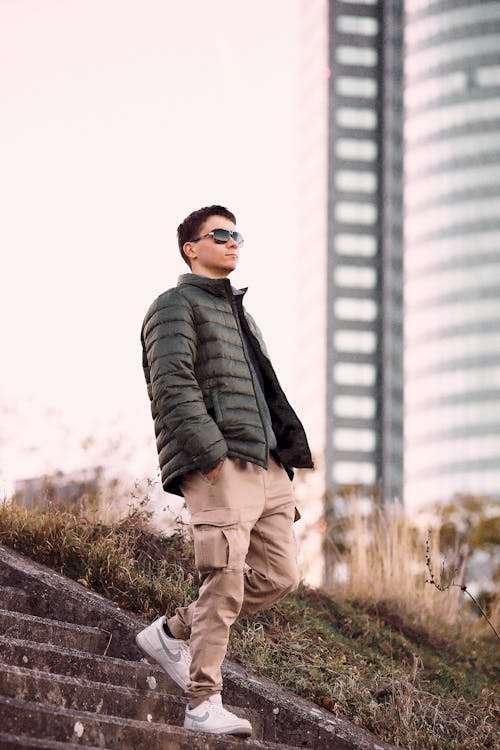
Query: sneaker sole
(232, 733)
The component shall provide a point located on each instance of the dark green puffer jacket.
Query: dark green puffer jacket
(201, 388)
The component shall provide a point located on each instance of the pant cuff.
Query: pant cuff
(177, 629)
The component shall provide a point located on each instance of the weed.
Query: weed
(361, 654)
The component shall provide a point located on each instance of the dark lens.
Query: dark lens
(238, 238)
(221, 236)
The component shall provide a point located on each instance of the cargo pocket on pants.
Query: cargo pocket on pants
(215, 532)
(217, 547)
(211, 548)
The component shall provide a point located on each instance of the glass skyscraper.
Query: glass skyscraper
(364, 406)
(452, 249)
(447, 72)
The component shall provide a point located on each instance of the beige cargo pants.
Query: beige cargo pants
(245, 552)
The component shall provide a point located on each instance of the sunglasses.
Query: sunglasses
(221, 236)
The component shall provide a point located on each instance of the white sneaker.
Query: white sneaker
(211, 716)
(172, 654)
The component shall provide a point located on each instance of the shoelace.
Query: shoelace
(218, 709)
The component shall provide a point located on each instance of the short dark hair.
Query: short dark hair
(190, 227)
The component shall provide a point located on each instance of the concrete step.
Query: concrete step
(56, 597)
(15, 600)
(86, 695)
(69, 726)
(105, 669)
(41, 629)
(291, 721)
(287, 718)
(15, 742)
(98, 698)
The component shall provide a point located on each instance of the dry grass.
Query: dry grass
(408, 686)
(374, 659)
(383, 561)
(123, 560)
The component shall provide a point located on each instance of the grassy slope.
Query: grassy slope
(409, 686)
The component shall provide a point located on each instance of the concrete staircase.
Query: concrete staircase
(71, 676)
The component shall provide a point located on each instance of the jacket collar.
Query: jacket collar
(219, 287)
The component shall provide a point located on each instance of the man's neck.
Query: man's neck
(207, 276)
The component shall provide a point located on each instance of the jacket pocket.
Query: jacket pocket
(212, 403)
(219, 417)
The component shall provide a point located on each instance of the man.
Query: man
(227, 441)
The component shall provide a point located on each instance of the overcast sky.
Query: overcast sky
(119, 117)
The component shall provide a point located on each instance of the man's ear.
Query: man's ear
(190, 250)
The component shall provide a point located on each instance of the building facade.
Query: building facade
(452, 249)
(364, 302)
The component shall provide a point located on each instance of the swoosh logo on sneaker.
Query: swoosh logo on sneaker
(199, 718)
(173, 656)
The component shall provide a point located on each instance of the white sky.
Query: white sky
(119, 117)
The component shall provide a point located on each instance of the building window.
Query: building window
(356, 244)
(356, 149)
(361, 277)
(348, 212)
(353, 472)
(354, 440)
(446, 482)
(427, 189)
(466, 383)
(443, 251)
(453, 451)
(458, 50)
(357, 25)
(363, 342)
(354, 181)
(348, 373)
(352, 308)
(356, 86)
(430, 356)
(362, 56)
(354, 407)
(413, 6)
(431, 220)
(434, 89)
(357, 118)
(464, 281)
(488, 75)
(441, 316)
(443, 418)
(431, 155)
(429, 26)
(439, 119)
(360, 2)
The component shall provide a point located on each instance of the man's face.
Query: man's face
(209, 258)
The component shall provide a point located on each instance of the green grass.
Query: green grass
(415, 686)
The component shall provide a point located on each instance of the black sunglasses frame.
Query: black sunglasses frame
(228, 234)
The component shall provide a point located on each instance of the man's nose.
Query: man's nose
(232, 242)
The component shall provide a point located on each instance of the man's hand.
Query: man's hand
(213, 473)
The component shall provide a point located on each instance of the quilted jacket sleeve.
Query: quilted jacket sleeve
(169, 356)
